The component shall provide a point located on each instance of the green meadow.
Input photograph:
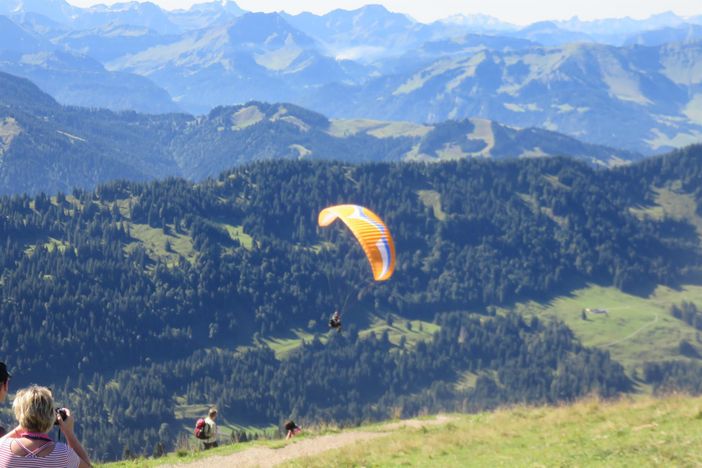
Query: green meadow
(396, 327)
(634, 329)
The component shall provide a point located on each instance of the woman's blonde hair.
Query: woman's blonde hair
(34, 408)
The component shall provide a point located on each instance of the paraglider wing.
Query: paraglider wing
(371, 233)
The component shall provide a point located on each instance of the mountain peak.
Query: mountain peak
(541, 26)
(56, 10)
(226, 6)
(666, 15)
(16, 38)
(260, 25)
(476, 20)
(125, 6)
(373, 11)
(371, 8)
(374, 8)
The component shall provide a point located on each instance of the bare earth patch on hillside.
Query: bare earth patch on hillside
(267, 457)
(9, 129)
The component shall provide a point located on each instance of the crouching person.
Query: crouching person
(291, 429)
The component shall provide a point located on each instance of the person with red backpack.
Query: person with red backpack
(201, 429)
(206, 429)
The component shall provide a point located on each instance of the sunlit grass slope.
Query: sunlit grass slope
(413, 331)
(642, 432)
(187, 456)
(634, 329)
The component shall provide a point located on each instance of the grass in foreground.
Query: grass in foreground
(641, 432)
(195, 453)
(187, 455)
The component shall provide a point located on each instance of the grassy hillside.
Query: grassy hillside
(634, 329)
(628, 433)
(642, 431)
(399, 330)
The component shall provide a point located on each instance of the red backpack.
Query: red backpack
(202, 429)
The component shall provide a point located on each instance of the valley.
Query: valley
(473, 239)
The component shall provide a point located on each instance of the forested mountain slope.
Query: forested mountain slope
(161, 295)
(48, 147)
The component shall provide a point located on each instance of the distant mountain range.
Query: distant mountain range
(685, 33)
(73, 78)
(48, 147)
(645, 99)
(256, 56)
(365, 34)
(619, 82)
(364, 25)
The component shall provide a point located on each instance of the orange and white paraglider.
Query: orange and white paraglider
(374, 237)
(370, 231)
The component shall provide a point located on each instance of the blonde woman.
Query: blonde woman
(29, 444)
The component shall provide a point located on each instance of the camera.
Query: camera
(62, 413)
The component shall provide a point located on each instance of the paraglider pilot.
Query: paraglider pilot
(335, 321)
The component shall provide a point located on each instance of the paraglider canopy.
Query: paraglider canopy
(370, 231)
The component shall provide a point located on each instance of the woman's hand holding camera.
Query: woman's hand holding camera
(64, 420)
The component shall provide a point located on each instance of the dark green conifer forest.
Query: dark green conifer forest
(135, 297)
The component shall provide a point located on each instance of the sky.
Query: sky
(520, 12)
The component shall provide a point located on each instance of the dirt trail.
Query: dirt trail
(633, 334)
(267, 457)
